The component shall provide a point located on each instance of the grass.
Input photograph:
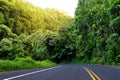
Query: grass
(23, 63)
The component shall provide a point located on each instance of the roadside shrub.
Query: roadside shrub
(23, 63)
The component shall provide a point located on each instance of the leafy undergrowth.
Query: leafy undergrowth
(23, 63)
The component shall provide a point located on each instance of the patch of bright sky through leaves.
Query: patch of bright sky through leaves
(68, 6)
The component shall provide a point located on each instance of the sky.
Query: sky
(68, 6)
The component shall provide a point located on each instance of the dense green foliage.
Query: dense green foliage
(26, 30)
(23, 17)
(94, 36)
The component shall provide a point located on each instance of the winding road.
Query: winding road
(65, 72)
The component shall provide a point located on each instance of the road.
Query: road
(65, 72)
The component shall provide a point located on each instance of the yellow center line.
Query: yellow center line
(93, 78)
(92, 74)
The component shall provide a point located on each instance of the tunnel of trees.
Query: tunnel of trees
(92, 36)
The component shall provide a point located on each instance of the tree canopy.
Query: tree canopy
(22, 17)
(93, 36)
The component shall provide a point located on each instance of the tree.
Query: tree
(115, 16)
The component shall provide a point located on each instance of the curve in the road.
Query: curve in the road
(65, 72)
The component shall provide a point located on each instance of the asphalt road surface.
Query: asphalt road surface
(65, 72)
